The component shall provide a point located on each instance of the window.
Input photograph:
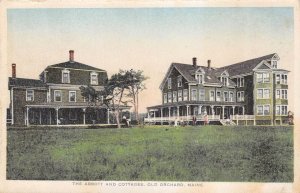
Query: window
(174, 96)
(283, 110)
(225, 96)
(231, 96)
(201, 95)
(283, 94)
(263, 109)
(165, 97)
(73, 114)
(185, 94)
(224, 81)
(65, 76)
(266, 77)
(263, 93)
(274, 63)
(212, 95)
(218, 98)
(94, 78)
(179, 95)
(72, 96)
(29, 95)
(240, 82)
(169, 97)
(277, 109)
(266, 94)
(277, 93)
(57, 95)
(240, 96)
(259, 77)
(283, 79)
(179, 81)
(260, 110)
(169, 83)
(266, 109)
(194, 95)
(200, 78)
(277, 78)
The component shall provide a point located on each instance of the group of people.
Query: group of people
(194, 121)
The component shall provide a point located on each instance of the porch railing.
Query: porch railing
(242, 117)
(181, 118)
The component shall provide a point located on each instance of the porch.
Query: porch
(186, 113)
(69, 114)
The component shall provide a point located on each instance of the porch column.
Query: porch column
(233, 109)
(27, 114)
(50, 117)
(107, 115)
(169, 113)
(223, 111)
(56, 109)
(40, 116)
(243, 110)
(161, 116)
(177, 111)
(199, 109)
(83, 115)
(212, 111)
(154, 114)
(187, 112)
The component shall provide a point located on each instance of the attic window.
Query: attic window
(224, 80)
(200, 78)
(65, 76)
(274, 63)
(94, 78)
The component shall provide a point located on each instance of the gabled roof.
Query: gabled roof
(24, 82)
(211, 75)
(245, 66)
(74, 65)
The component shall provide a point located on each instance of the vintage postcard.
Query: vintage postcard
(145, 96)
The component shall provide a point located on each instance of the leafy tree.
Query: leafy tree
(122, 88)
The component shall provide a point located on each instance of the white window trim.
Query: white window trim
(174, 94)
(170, 97)
(91, 79)
(72, 91)
(201, 99)
(217, 96)
(210, 98)
(187, 95)
(27, 95)
(263, 110)
(263, 93)
(165, 98)
(197, 77)
(240, 98)
(169, 83)
(181, 98)
(231, 99)
(194, 90)
(179, 80)
(280, 110)
(62, 75)
(55, 95)
(224, 96)
(281, 95)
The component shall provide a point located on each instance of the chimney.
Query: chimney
(208, 64)
(13, 71)
(71, 55)
(195, 62)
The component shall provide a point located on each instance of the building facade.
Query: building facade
(250, 92)
(55, 98)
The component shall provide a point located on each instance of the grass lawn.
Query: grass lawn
(156, 153)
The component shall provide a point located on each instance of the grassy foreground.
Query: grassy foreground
(210, 153)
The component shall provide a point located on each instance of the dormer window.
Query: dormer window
(274, 63)
(94, 78)
(200, 78)
(65, 76)
(224, 81)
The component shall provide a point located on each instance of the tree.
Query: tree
(115, 94)
(136, 85)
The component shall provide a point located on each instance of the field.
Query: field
(156, 153)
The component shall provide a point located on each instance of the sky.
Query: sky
(148, 39)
